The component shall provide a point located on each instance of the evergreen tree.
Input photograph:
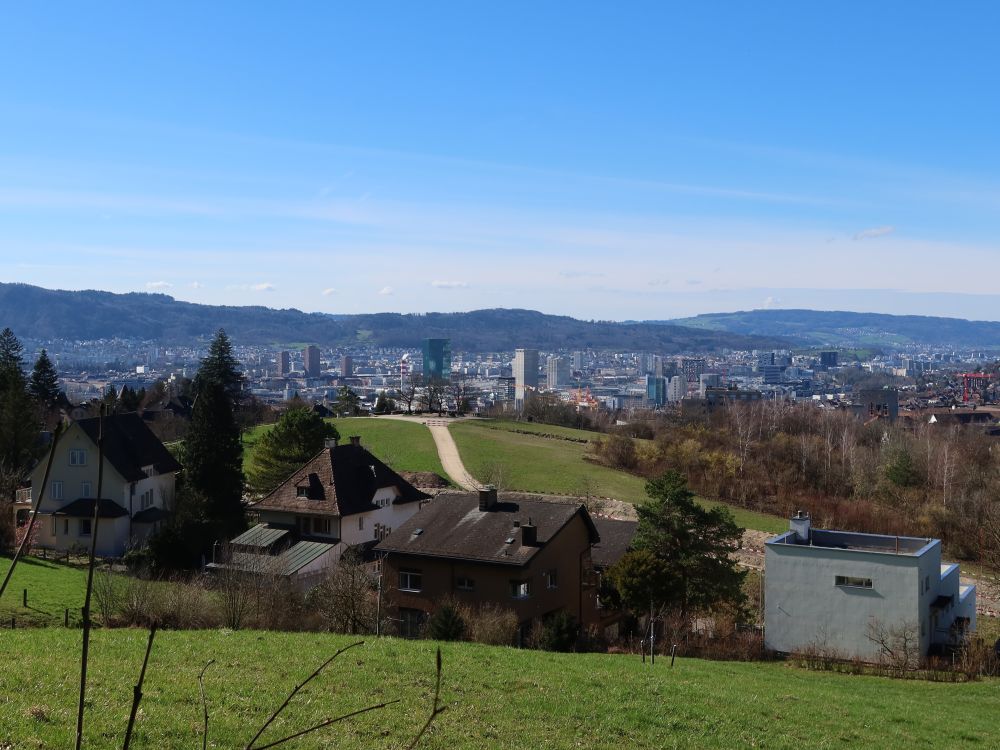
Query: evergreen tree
(682, 553)
(221, 367)
(44, 382)
(298, 436)
(18, 427)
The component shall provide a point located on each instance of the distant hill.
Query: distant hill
(36, 313)
(837, 328)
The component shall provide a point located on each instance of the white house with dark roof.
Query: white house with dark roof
(828, 590)
(137, 493)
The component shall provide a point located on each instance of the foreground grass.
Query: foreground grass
(405, 446)
(52, 588)
(495, 697)
(534, 463)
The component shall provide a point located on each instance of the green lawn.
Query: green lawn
(494, 697)
(534, 463)
(405, 446)
(52, 588)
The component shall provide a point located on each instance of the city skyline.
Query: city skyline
(650, 165)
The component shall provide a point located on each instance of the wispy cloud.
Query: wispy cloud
(196, 285)
(264, 286)
(328, 291)
(449, 284)
(386, 291)
(158, 285)
(770, 302)
(873, 232)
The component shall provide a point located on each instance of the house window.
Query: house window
(303, 524)
(551, 579)
(85, 526)
(57, 491)
(361, 523)
(854, 582)
(411, 622)
(84, 489)
(465, 584)
(410, 580)
(77, 457)
(55, 526)
(301, 492)
(321, 525)
(520, 589)
(146, 499)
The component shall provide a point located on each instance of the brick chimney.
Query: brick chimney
(356, 441)
(330, 443)
(487, 497)
(529, 534)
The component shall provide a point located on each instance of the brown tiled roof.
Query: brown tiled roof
(426, 479)
(616, 536)
(452, 526)
(129, 445)
(338, 481)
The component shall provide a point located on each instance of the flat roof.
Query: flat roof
(857, 542)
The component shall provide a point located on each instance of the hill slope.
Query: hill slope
(38, 313)
(838, 328)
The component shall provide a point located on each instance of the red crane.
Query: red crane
(974, 381)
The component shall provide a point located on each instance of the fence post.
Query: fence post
(24, 599)
(66, 618)
(673, 652)
(12, 623)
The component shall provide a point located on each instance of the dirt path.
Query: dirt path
(451, 460)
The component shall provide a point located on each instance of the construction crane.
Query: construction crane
(974, 381)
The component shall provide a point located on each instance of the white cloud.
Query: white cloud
(770, 302)
(449, 284)
(264, 286)
(196, 285)
(873, 232)
(385, 291)
(327, 292)
(158, 285)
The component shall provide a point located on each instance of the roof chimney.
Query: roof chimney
(487, 497)
(356, 441)
(529, 534)
(800, 525)
(330, 443)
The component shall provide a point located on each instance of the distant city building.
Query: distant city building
(658, 366)
(284, 363)
(708, 380)
(771, 373)
(676, 388)
(656, 390)
(764, 359)
(578, 361)
(877, 403)
(346, 366)
(827, 360)
(310, 359)
(506, 389)
(716, 398)
(692, 367)
(556, 372)
(525, 374)
(437, 359)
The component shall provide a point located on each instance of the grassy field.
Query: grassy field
(538, 464)
(495, 697)
(537, 428)
(52, 588)
(405, 446)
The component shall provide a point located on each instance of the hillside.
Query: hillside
(494, 697)
(838, 328)
(36, 313)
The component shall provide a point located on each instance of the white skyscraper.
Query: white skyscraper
(556, 372)
(525, 374)
(676, 388)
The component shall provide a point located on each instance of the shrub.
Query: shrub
(446, 623)
(558, 633)
(490, 624)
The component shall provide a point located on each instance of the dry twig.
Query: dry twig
(435, 710)
(204, 704)
(137, 690)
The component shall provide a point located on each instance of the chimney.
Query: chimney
(487, 497)
(529, 534)
(330, 443)
(356, 441)
(800, 525)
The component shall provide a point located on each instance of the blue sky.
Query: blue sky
(613, 161)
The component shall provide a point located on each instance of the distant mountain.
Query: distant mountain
(820, 328)
(36, 313)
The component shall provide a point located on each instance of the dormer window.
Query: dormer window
(302, 492)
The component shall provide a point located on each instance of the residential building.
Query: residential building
(284, 363)
(676, 388)
(692, 367)
(556, 372)
(347, 366)
(525, 375)
(834, 590)
(527, 554)
(137, 492)
(342, 497)
(437, 359)
(311, 363)
(877, 403)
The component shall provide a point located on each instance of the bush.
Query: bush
(558, 633)
(446, 623)
(490, 624)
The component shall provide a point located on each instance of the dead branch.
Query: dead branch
(295, 690)
(204, 705)
(435, 710)
(90, 580)
(326, 723)
(137, 690)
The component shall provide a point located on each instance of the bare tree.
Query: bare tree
(898, 645)
(431, 396)
(243, 580)
(347, 596)
(463, 393)
(409, 392)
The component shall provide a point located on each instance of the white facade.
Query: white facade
(525, 374)
(676, 388)
(832, 590)
(556, 372)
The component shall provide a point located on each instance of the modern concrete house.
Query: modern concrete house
(832, 590)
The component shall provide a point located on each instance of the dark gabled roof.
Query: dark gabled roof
(129, 445)
(452, 526)
(151, 515)
(616, 536)
(84, 508)
(299, 555)
(338, 481)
